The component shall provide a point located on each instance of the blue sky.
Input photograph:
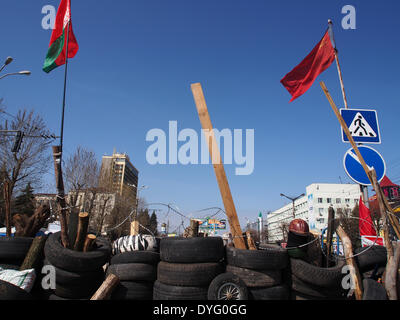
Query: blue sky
(137, 60)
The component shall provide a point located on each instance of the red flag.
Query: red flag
(300, 79)
(365, 222)
(56, 55)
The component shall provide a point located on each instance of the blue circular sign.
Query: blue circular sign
(354, 169)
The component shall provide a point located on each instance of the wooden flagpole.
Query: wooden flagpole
(219, 170)
(337, 62)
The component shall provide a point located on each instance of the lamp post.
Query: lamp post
(134, 223)
(7, 62)
(293, 200)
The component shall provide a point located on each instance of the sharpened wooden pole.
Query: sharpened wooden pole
(219, 170)
(83, 223)
(90, 239)
(354, 272)
(105, 290)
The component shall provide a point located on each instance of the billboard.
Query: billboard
(212, 224)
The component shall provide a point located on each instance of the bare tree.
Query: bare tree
(31, 161)
(284, 227)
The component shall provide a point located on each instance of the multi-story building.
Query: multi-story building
(313, 207)
(121, 173)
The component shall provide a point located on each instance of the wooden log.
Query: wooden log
(218, 166)
(250, 242)
(89, 241)
(81, 234)
(57, 154)
(134, 231)
(105, 290)
(35, 253)
(354, 272)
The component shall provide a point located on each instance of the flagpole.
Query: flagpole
(337, 63)
(65, 89)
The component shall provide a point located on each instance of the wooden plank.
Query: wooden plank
(218, 166)
(330, 231)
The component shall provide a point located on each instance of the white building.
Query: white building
(313, 207)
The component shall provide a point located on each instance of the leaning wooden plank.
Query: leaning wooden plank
(35, 253)
(105, 290)
(218, 166)
(348, 253)
(81, 234)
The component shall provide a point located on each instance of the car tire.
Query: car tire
(164, 291)
(133, 271)
(133, 290)
(369, 257)
(227, 286)
(148, 257)
(188, 274)
(271, 293)
(8, 291)
(270, 257)
(192, 250)
(257, 278)
(311, 290)
(321, 277)
(14, 248)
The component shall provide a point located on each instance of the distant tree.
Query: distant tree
(144, 221)
(24, 202)
(153, 223)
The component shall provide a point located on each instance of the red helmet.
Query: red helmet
(299, 226)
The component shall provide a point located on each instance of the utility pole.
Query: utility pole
(293, 200)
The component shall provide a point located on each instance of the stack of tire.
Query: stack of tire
(310, 282)
(137, 271)
(187, 267)
(78, 274)
(262, 271)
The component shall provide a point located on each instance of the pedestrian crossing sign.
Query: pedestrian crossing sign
(363, 125)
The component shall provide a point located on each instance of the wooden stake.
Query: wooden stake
(390, 278)
(105, 290)
(57, 152)
(218, 166)
(348, 252)
(193, 229)
(82, 231)
(250, 241)
(89, 241)
(73, 219)
(35, 253)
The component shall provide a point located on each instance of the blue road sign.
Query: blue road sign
(363, 125)
(354, 169)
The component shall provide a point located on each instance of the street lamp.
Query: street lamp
(7, 62)
(293, 200)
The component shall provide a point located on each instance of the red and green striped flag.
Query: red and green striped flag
(58, 42)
